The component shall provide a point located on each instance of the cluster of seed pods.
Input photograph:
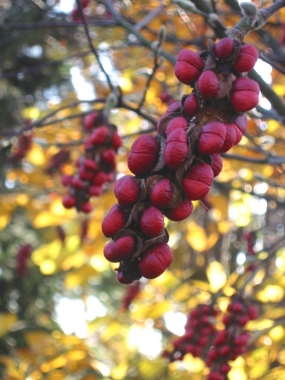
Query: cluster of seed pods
(96, 166)
(178, 165)
(199, 330)
(232, 341)
(19, 150)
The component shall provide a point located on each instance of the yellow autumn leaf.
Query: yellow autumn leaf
(198, 239)
(7, 320)
(216, 275)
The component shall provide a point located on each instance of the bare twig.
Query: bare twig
(92, 47)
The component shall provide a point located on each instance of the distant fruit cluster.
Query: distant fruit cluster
(178, 165)
(75, 14)
(199, 331)
(217, 347)
(21, 148)
(96, 166)
(232, 341)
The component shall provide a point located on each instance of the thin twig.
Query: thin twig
(92, 47)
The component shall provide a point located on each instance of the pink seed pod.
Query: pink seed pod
(229, 139)
(212, 138)
(161, 194)
(127, 190)
(176, 148)
(245, 94)
(113, 221)
(208, 85)
(99, 135)
(191, 104)
(143, 155)
(246, 59)
(87, 207)
(217, 164)
(240, 125)
(95, 190)
(120, 249)
(99, 179)
(181, 212)
(109, 156)
(68, 201)
(155, 260)
(197, 181)
(224, 48)
(188, 67)
(177, 122)
(116, 141)
(152, 221)
(89, 120)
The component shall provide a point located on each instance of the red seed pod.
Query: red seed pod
(176, 148)
(246, 59)
(225, 368)
(152, 221)
(77, 183)
(90, 164)
(180, 212)
(143, 155)
(155, 260)
(84, 174)
(87, 207)
(230, 138)
(119, 250)
(99, 135)
(252, 312)
(224, 48)
(66, 179)
(208, 85)
(95, 190)
(99, 179)
(109, 156)
(113, 221)
(89, 120)
(124, 247)
(175, 106)
(123, 279)
(197, 181)
(217, 164)
(188, 67)
(177, 122)
(215, 376)
(68, 201)
(191, 104)
(116, 141)
(212, 138)
(245, 94)
(240, 125)
(127, 190)
(161, 194)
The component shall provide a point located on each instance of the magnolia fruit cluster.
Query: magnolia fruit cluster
(178, 165)
(22, 259)
(199, 330)
(19, 150)
(232, 341)
(96, 166)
